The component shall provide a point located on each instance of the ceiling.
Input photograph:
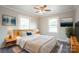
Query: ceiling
(28, 9)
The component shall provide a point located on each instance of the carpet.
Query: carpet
(65, 48)
(16, 49)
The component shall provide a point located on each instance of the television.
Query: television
(66, 24)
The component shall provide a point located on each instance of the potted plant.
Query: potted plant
(69, 31)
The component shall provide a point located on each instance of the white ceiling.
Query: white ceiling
(28, 9)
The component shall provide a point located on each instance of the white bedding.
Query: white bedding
(40, 43)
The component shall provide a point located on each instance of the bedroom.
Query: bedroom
(40, 22)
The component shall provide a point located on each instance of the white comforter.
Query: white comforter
(41, 43)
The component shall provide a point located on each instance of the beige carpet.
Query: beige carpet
(16, 49)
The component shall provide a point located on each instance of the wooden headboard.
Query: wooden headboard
(19, 32)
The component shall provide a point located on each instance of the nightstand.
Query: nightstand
(10, 41)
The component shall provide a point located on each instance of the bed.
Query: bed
(37, 43)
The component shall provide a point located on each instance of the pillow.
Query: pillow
(23, 33)
(29, 33)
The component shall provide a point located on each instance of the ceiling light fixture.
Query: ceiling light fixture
(41, 9)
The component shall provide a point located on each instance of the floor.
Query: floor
(64, 49)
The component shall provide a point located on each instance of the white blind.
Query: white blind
(24, 23)
(53, 24)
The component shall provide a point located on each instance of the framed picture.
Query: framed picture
(8, 20)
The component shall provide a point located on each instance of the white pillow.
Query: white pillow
(23, 33)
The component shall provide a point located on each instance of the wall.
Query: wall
(76, 13)
(34, 23)
(5, 11)
(44, 24)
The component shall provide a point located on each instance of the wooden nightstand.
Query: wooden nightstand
(10, 41)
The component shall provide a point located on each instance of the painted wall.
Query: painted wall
(76, 13)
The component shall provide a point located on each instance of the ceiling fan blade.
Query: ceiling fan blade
(36, 8)
(37, 12)
(45, 6)
(47, 10)
(42, 6)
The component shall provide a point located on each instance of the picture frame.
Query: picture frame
(8, 20)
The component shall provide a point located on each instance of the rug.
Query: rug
(64, 48)
(16, 49)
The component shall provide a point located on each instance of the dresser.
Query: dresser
(74, 44)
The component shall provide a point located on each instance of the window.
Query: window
(24, 23)
(53, 24)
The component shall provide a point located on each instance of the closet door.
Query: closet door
(77, 30)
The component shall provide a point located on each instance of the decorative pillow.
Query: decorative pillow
(29, 33)
(23, 33)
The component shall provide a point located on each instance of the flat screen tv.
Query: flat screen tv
(66, 24)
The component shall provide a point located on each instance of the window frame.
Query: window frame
(53, 26)
(28, 18)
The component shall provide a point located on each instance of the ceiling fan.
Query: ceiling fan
(41, 9)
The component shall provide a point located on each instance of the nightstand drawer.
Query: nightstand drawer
(10, 43)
